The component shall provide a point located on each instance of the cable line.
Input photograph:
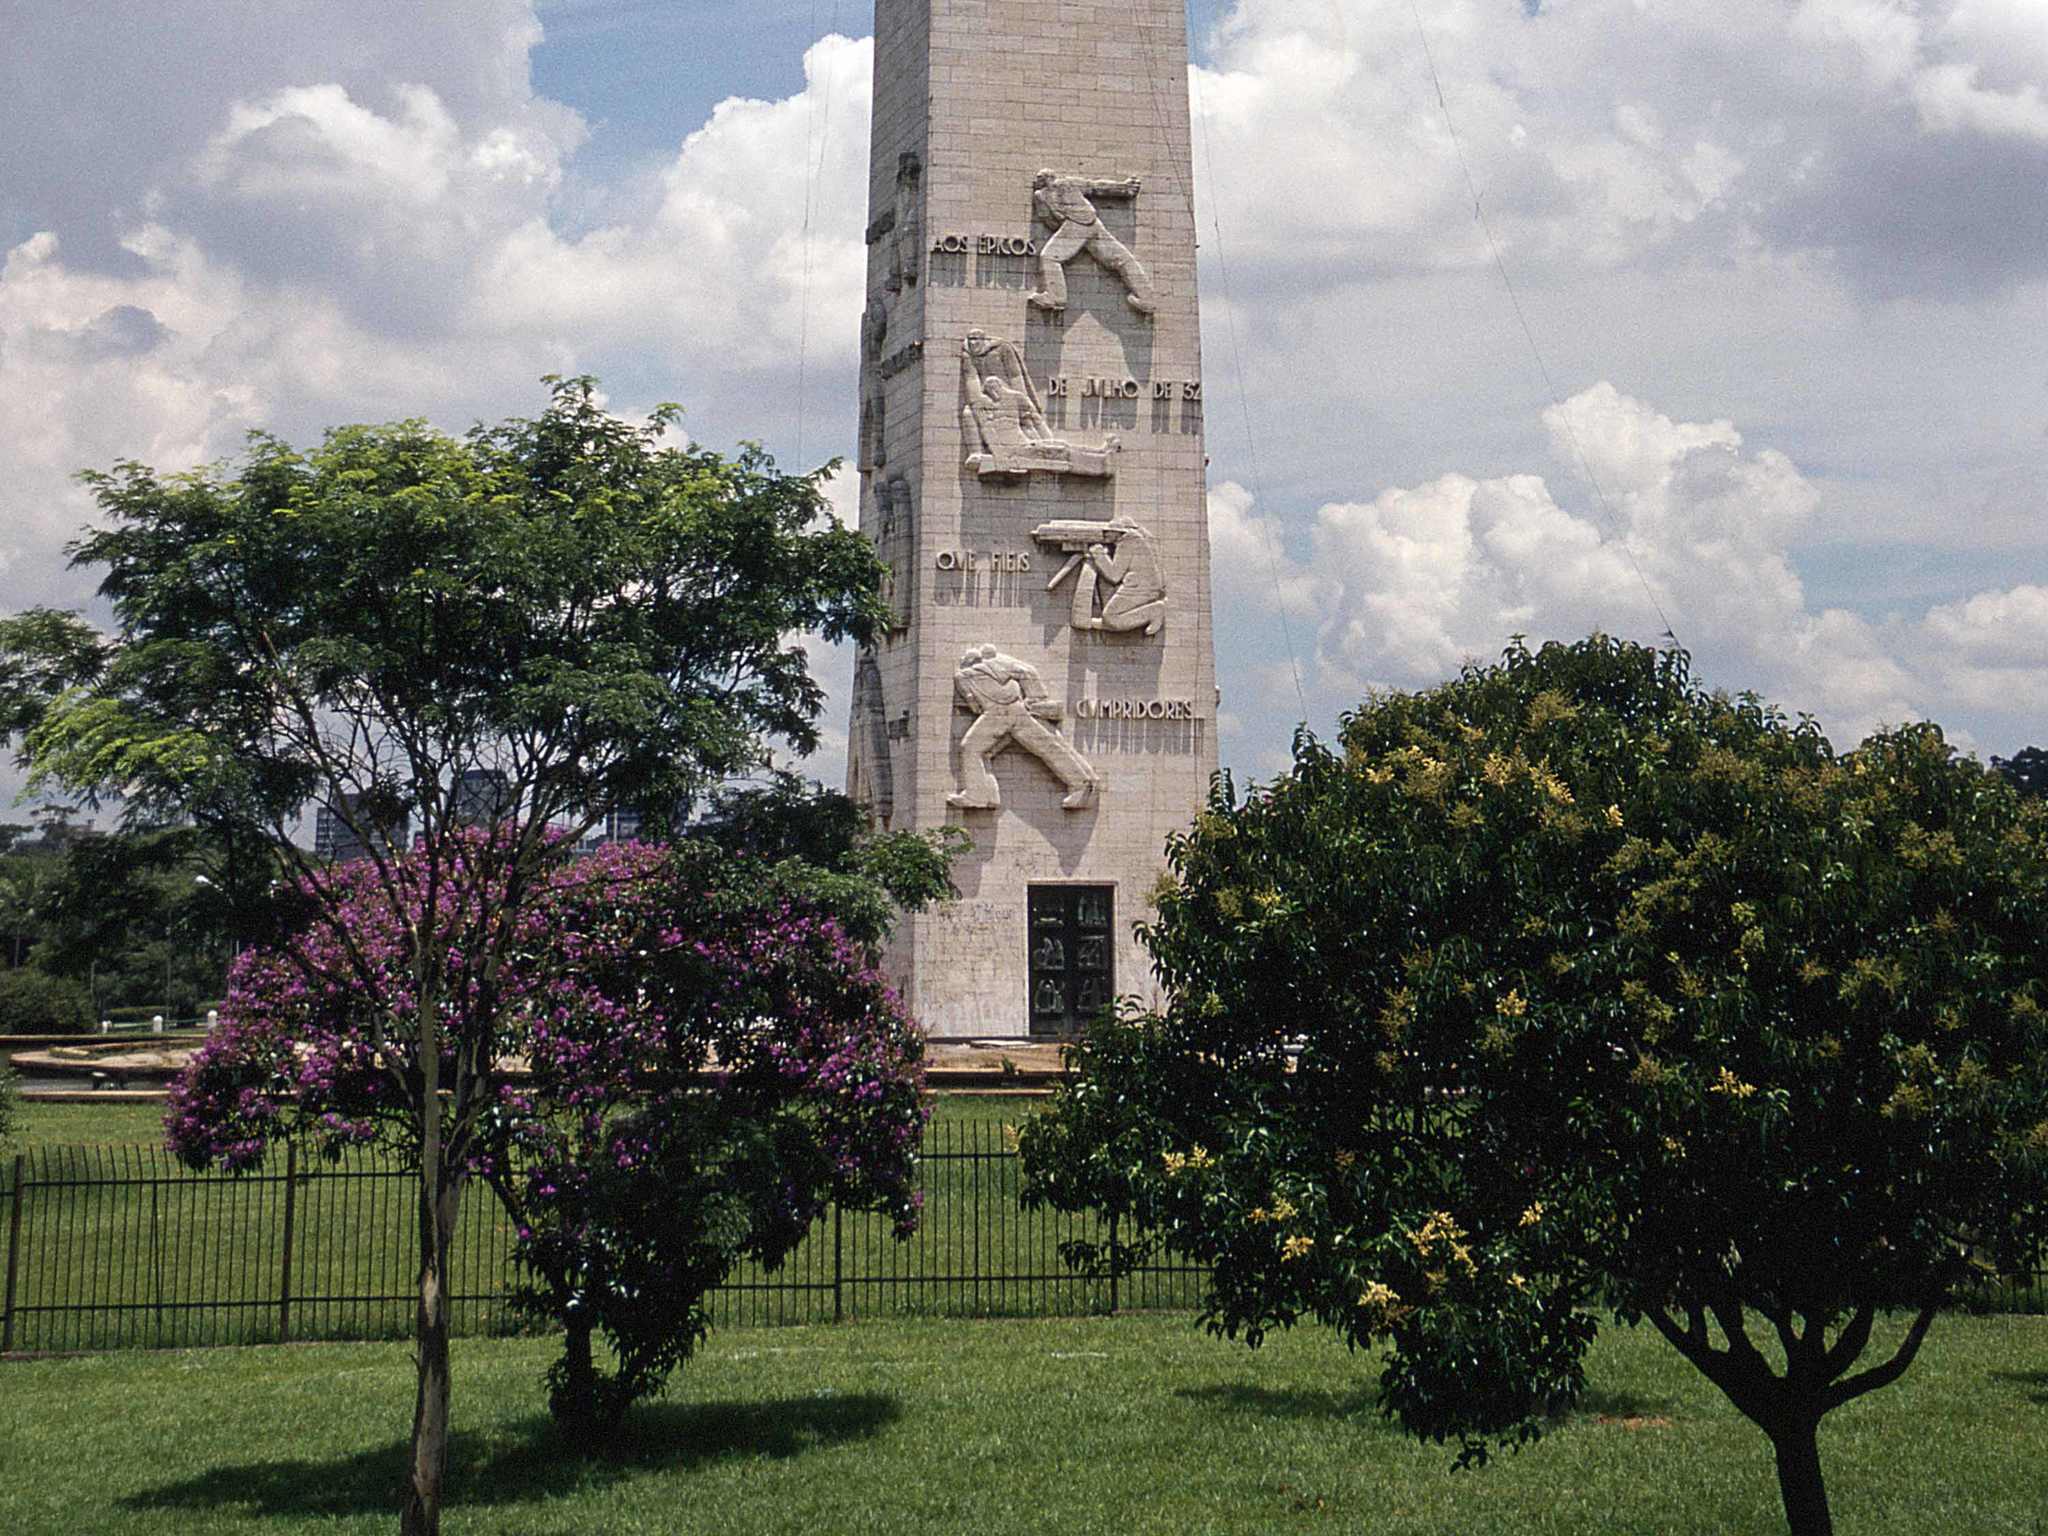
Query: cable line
(1515, 300)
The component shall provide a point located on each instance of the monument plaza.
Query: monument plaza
(1032, 472)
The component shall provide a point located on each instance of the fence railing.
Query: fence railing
(122, 1247)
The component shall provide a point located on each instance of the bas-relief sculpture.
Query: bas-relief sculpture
(907, 249)
(895, 541)
(1010, 704)
(1119, 555)
(1064, 205)
(1004, 423)
(875, 778)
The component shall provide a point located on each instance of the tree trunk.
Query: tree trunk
(1799, 1480)
(439, 1194)
(574, 1400)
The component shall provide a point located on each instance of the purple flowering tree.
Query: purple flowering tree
(534, 625)
(690, 1067)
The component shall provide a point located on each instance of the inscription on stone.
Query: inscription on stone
(978, 560)
(1135, 709)
(1065, 388)
(984, 245)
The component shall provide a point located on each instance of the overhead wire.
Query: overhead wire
(814, 174)
(1267, 538)
(1551, 392)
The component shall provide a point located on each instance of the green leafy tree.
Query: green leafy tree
(2026, 770)
(34, 1002)
(571, 605)
(802, 842)
(123, 914)
(1568, 986)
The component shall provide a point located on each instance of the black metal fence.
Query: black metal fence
(121, 1247)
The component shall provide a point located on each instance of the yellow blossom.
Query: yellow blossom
(1344, 1159)
(1513, 1006)
(1296, 1247)
(1728, 1083)
(1283, 1209)
(1439, 1227)
(1614, 817)
(1532, 1215)
(1194, 1160)
(1258, 1215)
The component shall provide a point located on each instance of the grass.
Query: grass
(1125, 1426)
(72, 1125)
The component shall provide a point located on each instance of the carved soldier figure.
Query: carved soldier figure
(1003, 422)
(871, 780)
(1063, 205)
(1010, 703)
(906, 249)
(1118, 552)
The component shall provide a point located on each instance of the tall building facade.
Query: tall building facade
(1032, 472)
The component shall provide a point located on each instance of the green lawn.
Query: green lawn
(1124, 1426)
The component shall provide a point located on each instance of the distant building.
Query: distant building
(620, 826)
(335, 841)
(482, 795)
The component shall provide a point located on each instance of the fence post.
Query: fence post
(284, 1284)
(1115, 1263)
(838, 1295)
(13, 1256)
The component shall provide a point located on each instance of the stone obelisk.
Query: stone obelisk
(1032, 472)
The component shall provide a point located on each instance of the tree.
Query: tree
(705, 1065)
(1566, 985)
(569, 605)
(35, 1003)
(814, 845)
(2026, 770)
(124, 913)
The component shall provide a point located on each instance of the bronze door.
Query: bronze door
(1073, 956)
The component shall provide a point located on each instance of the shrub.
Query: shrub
(33, 1003)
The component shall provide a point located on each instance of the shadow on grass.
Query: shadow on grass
(529, 1461)
(2038, 1380)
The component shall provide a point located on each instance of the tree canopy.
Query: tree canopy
(524, 628)
(2026, 770)
(1569, 985)
(696, 1063)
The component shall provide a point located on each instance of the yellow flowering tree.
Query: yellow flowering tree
(1568, 989)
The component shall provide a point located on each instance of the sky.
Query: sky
(1520, 316)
